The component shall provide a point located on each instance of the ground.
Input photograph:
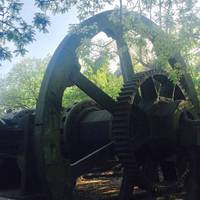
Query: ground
(105, 187)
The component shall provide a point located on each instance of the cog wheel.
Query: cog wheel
(143, 103)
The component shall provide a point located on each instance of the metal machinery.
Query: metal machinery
(152, 123)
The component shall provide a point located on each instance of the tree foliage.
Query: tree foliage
(20, 88)
(178, 18)
(84, 8)
(195, 73)
(15, 30)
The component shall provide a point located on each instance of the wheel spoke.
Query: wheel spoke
(178, 94)
(92, 90)
(166, 87)
(166, 90)
(137, 98)
(148, 92)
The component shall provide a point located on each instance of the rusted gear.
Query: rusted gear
(137, 97)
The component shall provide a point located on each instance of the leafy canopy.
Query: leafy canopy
(179, 18)
(16, 31)
(20, 88)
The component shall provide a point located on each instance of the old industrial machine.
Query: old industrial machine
(151, 128)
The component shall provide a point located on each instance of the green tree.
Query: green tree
(20, 88)
(195, 73)
(15, 30)
(102, 77)
(179, 18)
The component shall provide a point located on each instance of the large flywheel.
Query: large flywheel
(141, 95)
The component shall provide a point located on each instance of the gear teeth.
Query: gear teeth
(122, 114)
(130, 87)
(124, 97)
(121, 124)
(126, 92)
